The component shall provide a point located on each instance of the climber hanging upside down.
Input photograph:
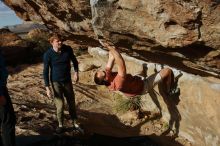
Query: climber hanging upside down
(126, 83)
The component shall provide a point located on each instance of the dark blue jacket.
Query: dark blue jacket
(3, 74)
(59, 65)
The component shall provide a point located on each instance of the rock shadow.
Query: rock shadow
(93, 140)
(161, 57)
(110, 125)
(172, 102)
(101, 128)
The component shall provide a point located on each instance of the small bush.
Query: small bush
(126, 104)
(166, 125)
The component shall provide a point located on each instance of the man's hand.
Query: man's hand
(76, 77)
(48, 91)
(107, 44)
(2, 100)
(102, 42)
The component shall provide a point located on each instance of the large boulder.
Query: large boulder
(170, 23)
(193, 115)
(186, 31)
(67, 17)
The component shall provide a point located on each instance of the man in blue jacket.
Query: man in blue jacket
(7, 115)
(58, 60)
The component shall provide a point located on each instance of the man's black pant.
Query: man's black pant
(8, 120)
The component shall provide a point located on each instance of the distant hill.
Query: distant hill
(23, 29)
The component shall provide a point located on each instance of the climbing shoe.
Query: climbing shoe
(77, 127)
(59, 130)
(174, 92)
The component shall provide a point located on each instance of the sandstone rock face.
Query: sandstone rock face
(171, 23)
(166, 22)
(194, 115)
(210, 21)
(65, 16)
(185, 30)
(192, 27)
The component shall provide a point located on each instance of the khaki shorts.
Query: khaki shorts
(150, 82)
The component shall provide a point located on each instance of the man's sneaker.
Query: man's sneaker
(77, 127)
(174, 92)
(59, 130)
(177, 74)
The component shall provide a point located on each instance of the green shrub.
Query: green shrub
(126, 104)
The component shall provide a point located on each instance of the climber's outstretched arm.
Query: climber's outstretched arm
(111, 61)
(117, 57)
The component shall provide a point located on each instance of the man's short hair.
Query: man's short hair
(54, 36)
(97, 80)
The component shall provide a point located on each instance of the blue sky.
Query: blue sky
(7, 16)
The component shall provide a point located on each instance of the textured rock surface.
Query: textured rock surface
(140, 25)
(195, 115)
(148, 28)
(66, 16)
(171, 23)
